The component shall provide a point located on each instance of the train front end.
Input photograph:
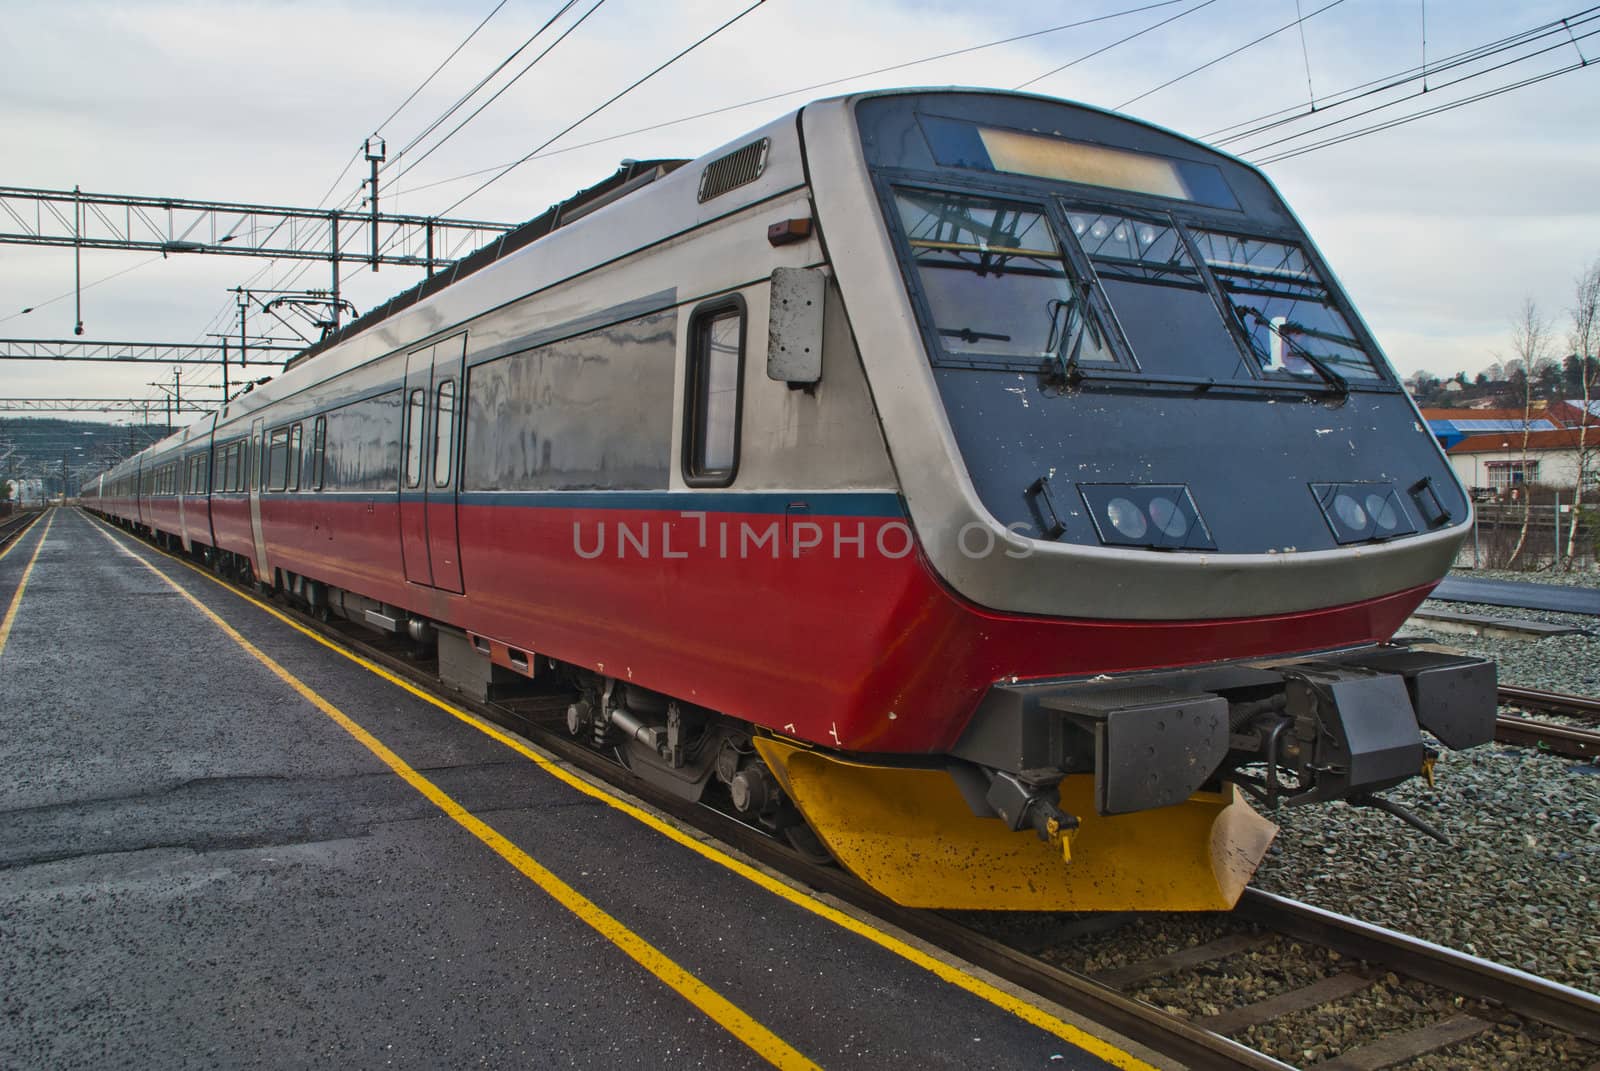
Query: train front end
(1175, 499)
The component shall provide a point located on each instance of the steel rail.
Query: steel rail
(14, 526)
(1528, 995)
(1568, 740)
(1573, 706)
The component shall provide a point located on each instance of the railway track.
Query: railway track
(1351, 958)
(1576, 741)
(13, 526)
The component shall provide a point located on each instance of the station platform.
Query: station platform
(1522, 594)
(223, 842)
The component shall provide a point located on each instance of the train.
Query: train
(996, 495)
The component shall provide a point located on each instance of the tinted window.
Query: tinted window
(319, 439)
(362, 452)
(293, 482)
(416, 413)
(995, 282)
(444, 432)
(1283, 306)
(1158, 294)
(277, 460)
(714, 367)
(593, 411)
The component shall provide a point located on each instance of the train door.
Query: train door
(413, 485)
(254, 458)
(444, 537)
(430, 537)
(181, 478)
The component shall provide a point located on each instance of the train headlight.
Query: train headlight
(1385, 516)
(1156, 516)
(1126, 518)
(1351, 515)
(1362, 512)
(1168, 517)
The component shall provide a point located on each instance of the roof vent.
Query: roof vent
(739, 167)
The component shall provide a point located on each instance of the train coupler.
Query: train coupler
(1030, 799)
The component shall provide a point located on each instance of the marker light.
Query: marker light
(1156, 516)
(1362, 512)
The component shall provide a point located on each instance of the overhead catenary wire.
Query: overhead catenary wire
(1290, 154)
(811, 87)
(443, 64)
(602, 106)
(1120, 41)
(1435, 88)
(1247, 128)
(496, 95)
(1234, 52)
(461, 101)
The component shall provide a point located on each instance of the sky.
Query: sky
(1439, 228)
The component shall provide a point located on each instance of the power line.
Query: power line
(1437, 87)
(454, 52)
(1284, 116)
(606, 104)
(1114, 44)
(80, 289)
(496, 95)
(1234, 52)
(1423, 113)
(751, 102)
(460, 101)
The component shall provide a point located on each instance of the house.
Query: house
(1570, 412)
(1450, 426)
(1499, 462)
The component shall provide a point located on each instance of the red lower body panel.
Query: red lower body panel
(850, 641)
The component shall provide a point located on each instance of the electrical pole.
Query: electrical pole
(77, 257)
(375, 157)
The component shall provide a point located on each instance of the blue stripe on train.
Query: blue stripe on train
(818, 503)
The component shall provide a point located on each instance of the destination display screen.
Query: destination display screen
(956, 143)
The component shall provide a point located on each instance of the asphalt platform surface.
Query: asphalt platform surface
(201, 868)
(1519, 593)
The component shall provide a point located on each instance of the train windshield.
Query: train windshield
(1002, 289)
(997, 286)
(1283, 306)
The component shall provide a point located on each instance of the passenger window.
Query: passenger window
(294, 458)
(277, 466)
(444, 429)
(415, 412)
(715, 363)
(319, 449)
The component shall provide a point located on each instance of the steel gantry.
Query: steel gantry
(96, 405)
(42, 349)
(75, 219)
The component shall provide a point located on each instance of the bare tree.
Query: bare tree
(1530, 343)
(1585, 340)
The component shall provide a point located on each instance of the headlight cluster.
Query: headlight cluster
(1160, 516)
(1360, 512)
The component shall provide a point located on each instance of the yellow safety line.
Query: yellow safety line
(22, 585)
(976, 986)
(725, 1013)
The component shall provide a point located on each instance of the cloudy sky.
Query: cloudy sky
(1439, 228)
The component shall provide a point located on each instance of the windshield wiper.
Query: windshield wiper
(1318, 365)
(1069, 349)
(969, 336)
